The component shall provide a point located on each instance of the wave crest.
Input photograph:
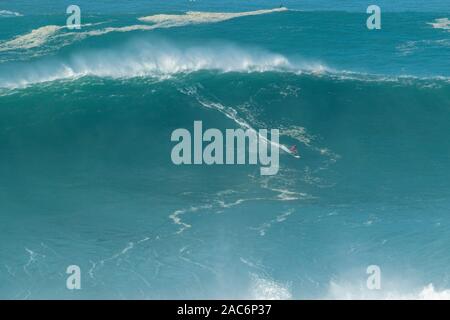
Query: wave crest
(145, 59)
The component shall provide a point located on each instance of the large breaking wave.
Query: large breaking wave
(151, 59)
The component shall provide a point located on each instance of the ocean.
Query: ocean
(86, 176)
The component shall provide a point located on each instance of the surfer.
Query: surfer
(293, 149)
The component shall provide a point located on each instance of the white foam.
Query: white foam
(429, 293)
(35, 38)
(100, 32)
(144, 59)
(161, 21)
(348, 291)
(194, 17)
(442, 23)
(263, 228)
(232, 115)
(263, 288)
(8, 14)
(42, 35)
(176, 216)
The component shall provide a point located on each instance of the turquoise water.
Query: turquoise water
(87, 179)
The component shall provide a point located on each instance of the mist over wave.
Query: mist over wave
(346, 291)
(267, 289)
(35, 38)
(150, 59)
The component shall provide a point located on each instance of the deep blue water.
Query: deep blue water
(85, 171)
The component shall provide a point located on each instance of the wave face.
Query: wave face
(85, 124)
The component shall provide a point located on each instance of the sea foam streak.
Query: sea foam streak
(193, 17)
(35, 38)
(38, 37)
(42, 35)
(173, 20)
(9, 14)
